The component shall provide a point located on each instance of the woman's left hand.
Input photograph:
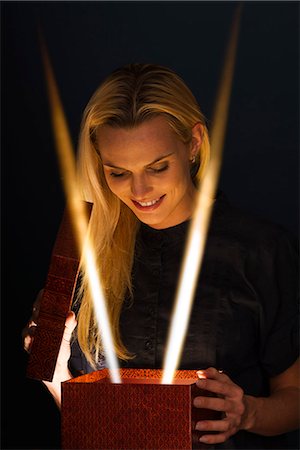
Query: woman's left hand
(229, 400)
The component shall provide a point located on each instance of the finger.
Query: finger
(215, 438)
(36, 305)
(28, 333)
(29, 330)
(27, 343)
(35, 313)
(71, 321)
(213, 425)
(28, 337)
(217, 387)
(70, 325)
(214, 403)
(213, 373)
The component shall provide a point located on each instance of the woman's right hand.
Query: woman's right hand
(29, 330)
(61, 372)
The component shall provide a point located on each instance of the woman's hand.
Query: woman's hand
(29, 330)
(229, 400)
(61, 372)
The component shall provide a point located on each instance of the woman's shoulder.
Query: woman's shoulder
(237, 224)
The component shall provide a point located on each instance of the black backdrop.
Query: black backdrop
(86, 41)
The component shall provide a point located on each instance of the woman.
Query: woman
(143, 151)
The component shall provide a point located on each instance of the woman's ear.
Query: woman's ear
(197, 136)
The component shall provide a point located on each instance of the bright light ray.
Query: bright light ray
(78, 214)
(199, 226)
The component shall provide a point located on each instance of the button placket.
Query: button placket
(156, 248)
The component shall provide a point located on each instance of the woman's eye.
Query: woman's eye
(117, 174)
(159, 169)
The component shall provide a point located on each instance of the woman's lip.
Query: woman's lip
(148, 208)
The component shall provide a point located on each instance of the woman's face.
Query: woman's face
(148, 168)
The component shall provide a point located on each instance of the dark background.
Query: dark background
(86, 41)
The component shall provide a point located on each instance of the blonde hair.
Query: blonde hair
(128, 97)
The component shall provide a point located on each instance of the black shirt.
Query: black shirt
(245, 313)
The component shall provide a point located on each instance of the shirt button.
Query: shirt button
(151, 310)
(148, 345)
(155, 272)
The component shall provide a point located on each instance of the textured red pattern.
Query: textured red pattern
(138, 414)
(56, 301)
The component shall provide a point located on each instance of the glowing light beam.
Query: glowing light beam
(199, 226)
(76, 207)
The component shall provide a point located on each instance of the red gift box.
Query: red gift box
(56, 300)
(139, 413)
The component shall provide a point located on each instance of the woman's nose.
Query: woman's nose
(140, 187)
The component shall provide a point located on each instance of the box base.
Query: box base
(140, 413)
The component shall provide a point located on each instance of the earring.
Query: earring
(193, 160)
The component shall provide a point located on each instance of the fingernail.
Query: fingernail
(197, 403)
(204, 439)
(201, 374)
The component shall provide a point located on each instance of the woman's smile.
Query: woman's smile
(148, 205)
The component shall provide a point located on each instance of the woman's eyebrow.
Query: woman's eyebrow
(160, 158)
(109, 164)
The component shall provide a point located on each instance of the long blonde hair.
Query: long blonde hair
(128, 97)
